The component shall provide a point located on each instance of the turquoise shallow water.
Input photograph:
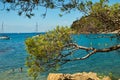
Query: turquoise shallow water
(13, 54)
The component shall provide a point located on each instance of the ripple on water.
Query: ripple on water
(17, 75)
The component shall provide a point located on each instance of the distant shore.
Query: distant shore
(106, 32)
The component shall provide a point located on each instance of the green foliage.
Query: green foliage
(108, 15)
(87, 24)
(100, 16)
(27, 7)
(44, 50)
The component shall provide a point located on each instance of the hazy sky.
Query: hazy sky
(15, 23)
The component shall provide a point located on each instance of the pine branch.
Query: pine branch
(116, 47)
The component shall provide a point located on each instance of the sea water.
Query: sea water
(13, 56)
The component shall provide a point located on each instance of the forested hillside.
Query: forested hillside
(100, 17)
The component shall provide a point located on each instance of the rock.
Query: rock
(86, 76)
(106, 78)
(76, 76)
(53, 76)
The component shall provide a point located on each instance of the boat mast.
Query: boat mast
(2, 29)
(36, 28)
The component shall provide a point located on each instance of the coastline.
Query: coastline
(113, 32)
(106, 32)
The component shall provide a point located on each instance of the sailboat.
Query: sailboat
(36, 30)
(3, 37)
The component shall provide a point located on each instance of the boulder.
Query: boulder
(76, 76)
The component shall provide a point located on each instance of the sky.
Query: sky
(13, 23)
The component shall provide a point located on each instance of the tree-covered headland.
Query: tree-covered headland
(99, 17)
(51, 50)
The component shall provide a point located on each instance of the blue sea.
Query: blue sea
(13, 56)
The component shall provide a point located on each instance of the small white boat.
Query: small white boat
(3, 37)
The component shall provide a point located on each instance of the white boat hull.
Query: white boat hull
(4, 38)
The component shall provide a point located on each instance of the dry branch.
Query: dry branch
(116, 47)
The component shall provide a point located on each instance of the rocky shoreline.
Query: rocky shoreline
(77, 76)
(105, 32)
